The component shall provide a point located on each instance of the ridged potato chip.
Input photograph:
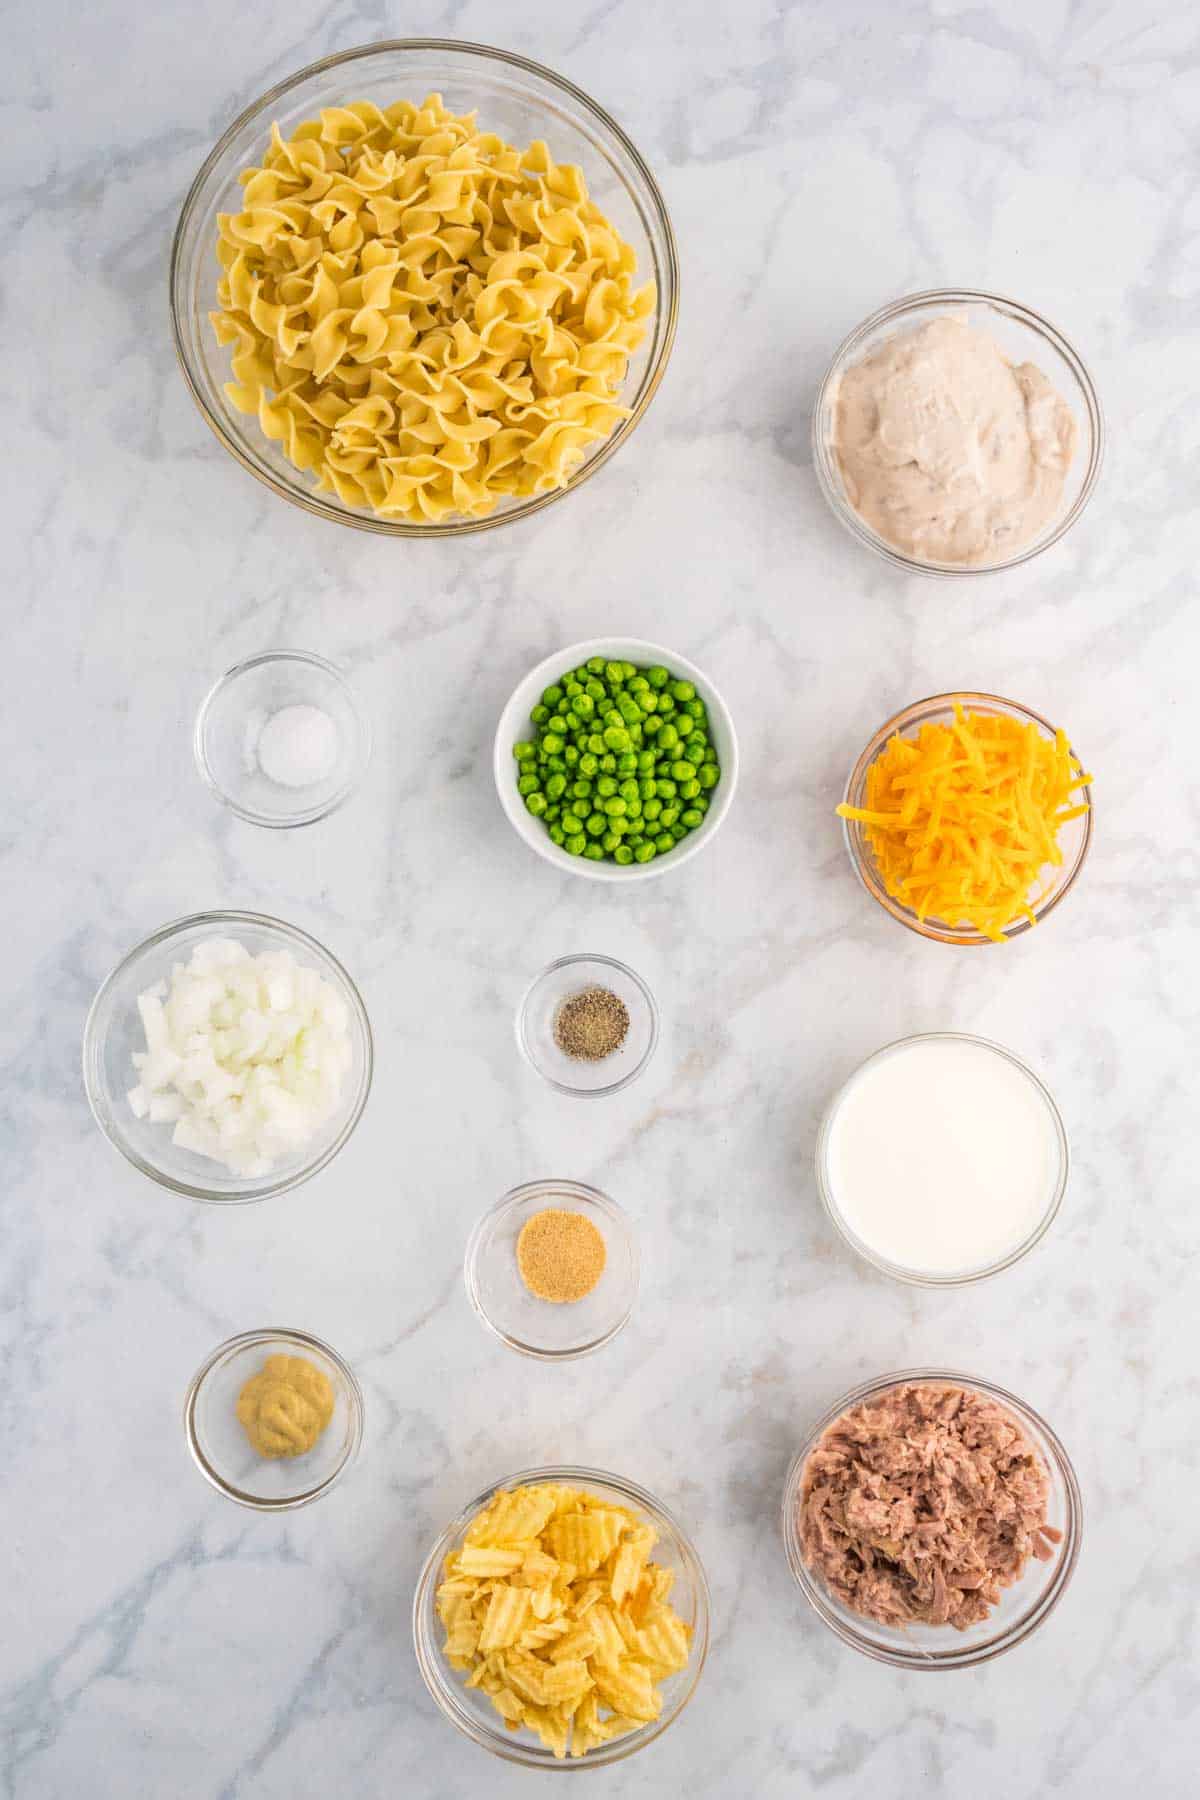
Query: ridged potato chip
(554, 1609)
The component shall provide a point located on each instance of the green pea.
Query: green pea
(524, 751)
(697, 744)
(623, 855)
(539, 713)
(596, 665)
(668, 737)
(691, 818)
(614, 674)
(551, 813)
(557, 835)
(651, 809)
(683, 690)
(579, 789)
(572, 723)
(652, 725)
(708, 775)
(664, 843)
(574, 845)
(609, 842)
(628, 790)
(605, 786)
(679, 832)
(593, 852)
(528, 784)
(552, 743)
(617, 740)
(536, 804)
(645, 762)
(629, 709)
(551, 696)
(608, 763)
(627, 764)
(666, 704)
(572, 685)
(645, 851)
(683, 771)
(697, 709)
(669, 815)
(700, 805)
(619, 826)
(633, 808)
(635, 736)
(571, 755)
(685, 725)
(585, 706)
(647, 788)
(658, 677)
(556, 763)
(689, 789)
(666, 788)
(615, 808)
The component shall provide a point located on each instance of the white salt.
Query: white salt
(298, 746)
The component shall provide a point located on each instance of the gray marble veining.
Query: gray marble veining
(817, 159)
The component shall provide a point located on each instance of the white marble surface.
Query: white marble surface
(817, 160)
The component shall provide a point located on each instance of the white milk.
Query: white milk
(942, 1155)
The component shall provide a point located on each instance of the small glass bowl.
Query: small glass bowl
(557, 984)
(1074, 839)
(470, 1710)
(1023, 336)
(231, 719)
(220, 1447)
(552, 1331)
(114, 1031)
(1022, 1607)
(518, 99)
(899, 1271)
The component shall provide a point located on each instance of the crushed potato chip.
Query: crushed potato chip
(553, 1608)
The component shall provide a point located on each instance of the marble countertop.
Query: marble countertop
(817, 160)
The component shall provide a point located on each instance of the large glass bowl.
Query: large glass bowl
(472, 1712)
(1054, 883)
(114, 1031)
(1023, 336)
(1024, 1606)
(516, 98)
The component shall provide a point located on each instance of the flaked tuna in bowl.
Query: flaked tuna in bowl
(932, 1519)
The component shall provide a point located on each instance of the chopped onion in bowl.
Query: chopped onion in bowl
(245, 1055)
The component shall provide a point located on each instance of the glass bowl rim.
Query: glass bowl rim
(245, 1340)
(1020, 1628)
(217, 918)
(897, 1271)
(251, 815)
(430, 1660)
(854, 837)
(666, 302)
(565, 962)
(824, 463)
(549, 1187)
(613, 646)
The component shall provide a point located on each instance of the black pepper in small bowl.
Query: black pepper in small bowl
(588, 1025)
(591, 1025)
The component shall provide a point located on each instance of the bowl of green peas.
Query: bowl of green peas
(616, 759)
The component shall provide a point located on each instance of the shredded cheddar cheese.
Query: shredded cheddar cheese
(963, 819)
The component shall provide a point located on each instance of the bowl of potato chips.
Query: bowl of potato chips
(561, 1620)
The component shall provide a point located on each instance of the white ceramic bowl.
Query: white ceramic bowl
(515, 725)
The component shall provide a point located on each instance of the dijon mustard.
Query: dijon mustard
(286, 1406)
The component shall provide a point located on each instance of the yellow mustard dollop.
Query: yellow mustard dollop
(286, 1406)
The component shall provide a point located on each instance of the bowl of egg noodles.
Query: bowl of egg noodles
(423, 288)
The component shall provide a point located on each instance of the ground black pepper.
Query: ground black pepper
(590, 1025)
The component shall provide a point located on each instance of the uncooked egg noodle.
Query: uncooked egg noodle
(425, 317)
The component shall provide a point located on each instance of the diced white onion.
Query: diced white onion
(245, 1055)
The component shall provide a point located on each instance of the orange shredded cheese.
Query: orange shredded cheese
(963, 819)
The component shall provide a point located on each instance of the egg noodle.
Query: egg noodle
(425, 317)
